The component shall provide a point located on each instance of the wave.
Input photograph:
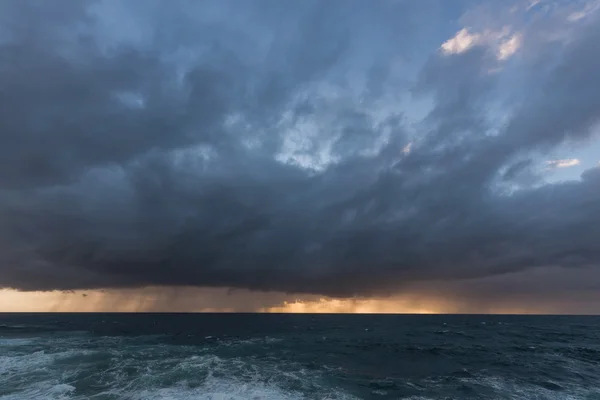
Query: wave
(9, 342)
(230, 389)
(13, 365)
(246, 342)
(143, 371)
(47, 390)
(495, 387)
(15, 327)
(67, 367)
(548, 390)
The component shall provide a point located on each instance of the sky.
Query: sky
(304, 156)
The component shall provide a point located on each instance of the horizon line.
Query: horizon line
(303, 313)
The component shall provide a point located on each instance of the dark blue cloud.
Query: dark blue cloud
(258, 146)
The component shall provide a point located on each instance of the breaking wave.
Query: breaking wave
(117, 368)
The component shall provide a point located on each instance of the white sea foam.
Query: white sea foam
(5, 342)
(154, 372)
(417, 398)
(162, 372)
(219, 389)
(13, 364)
(26, 362)
(232, 389)
(253, 341)
(208, 377)
(35, 376)
(45, 390)
(508, 389)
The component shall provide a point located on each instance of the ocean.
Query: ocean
(267, 356)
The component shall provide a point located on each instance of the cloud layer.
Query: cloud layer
(316, 147)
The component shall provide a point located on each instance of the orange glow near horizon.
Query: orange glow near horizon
(207, 300)
(506, 294)
(354, 306)
(222, 300)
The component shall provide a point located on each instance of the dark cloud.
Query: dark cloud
(230, 144)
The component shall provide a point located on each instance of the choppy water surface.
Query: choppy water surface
(249, 356)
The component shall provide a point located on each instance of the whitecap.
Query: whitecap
(15, 342)
(45, 390)
(513, 390)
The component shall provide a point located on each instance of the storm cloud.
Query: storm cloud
(329, 148)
